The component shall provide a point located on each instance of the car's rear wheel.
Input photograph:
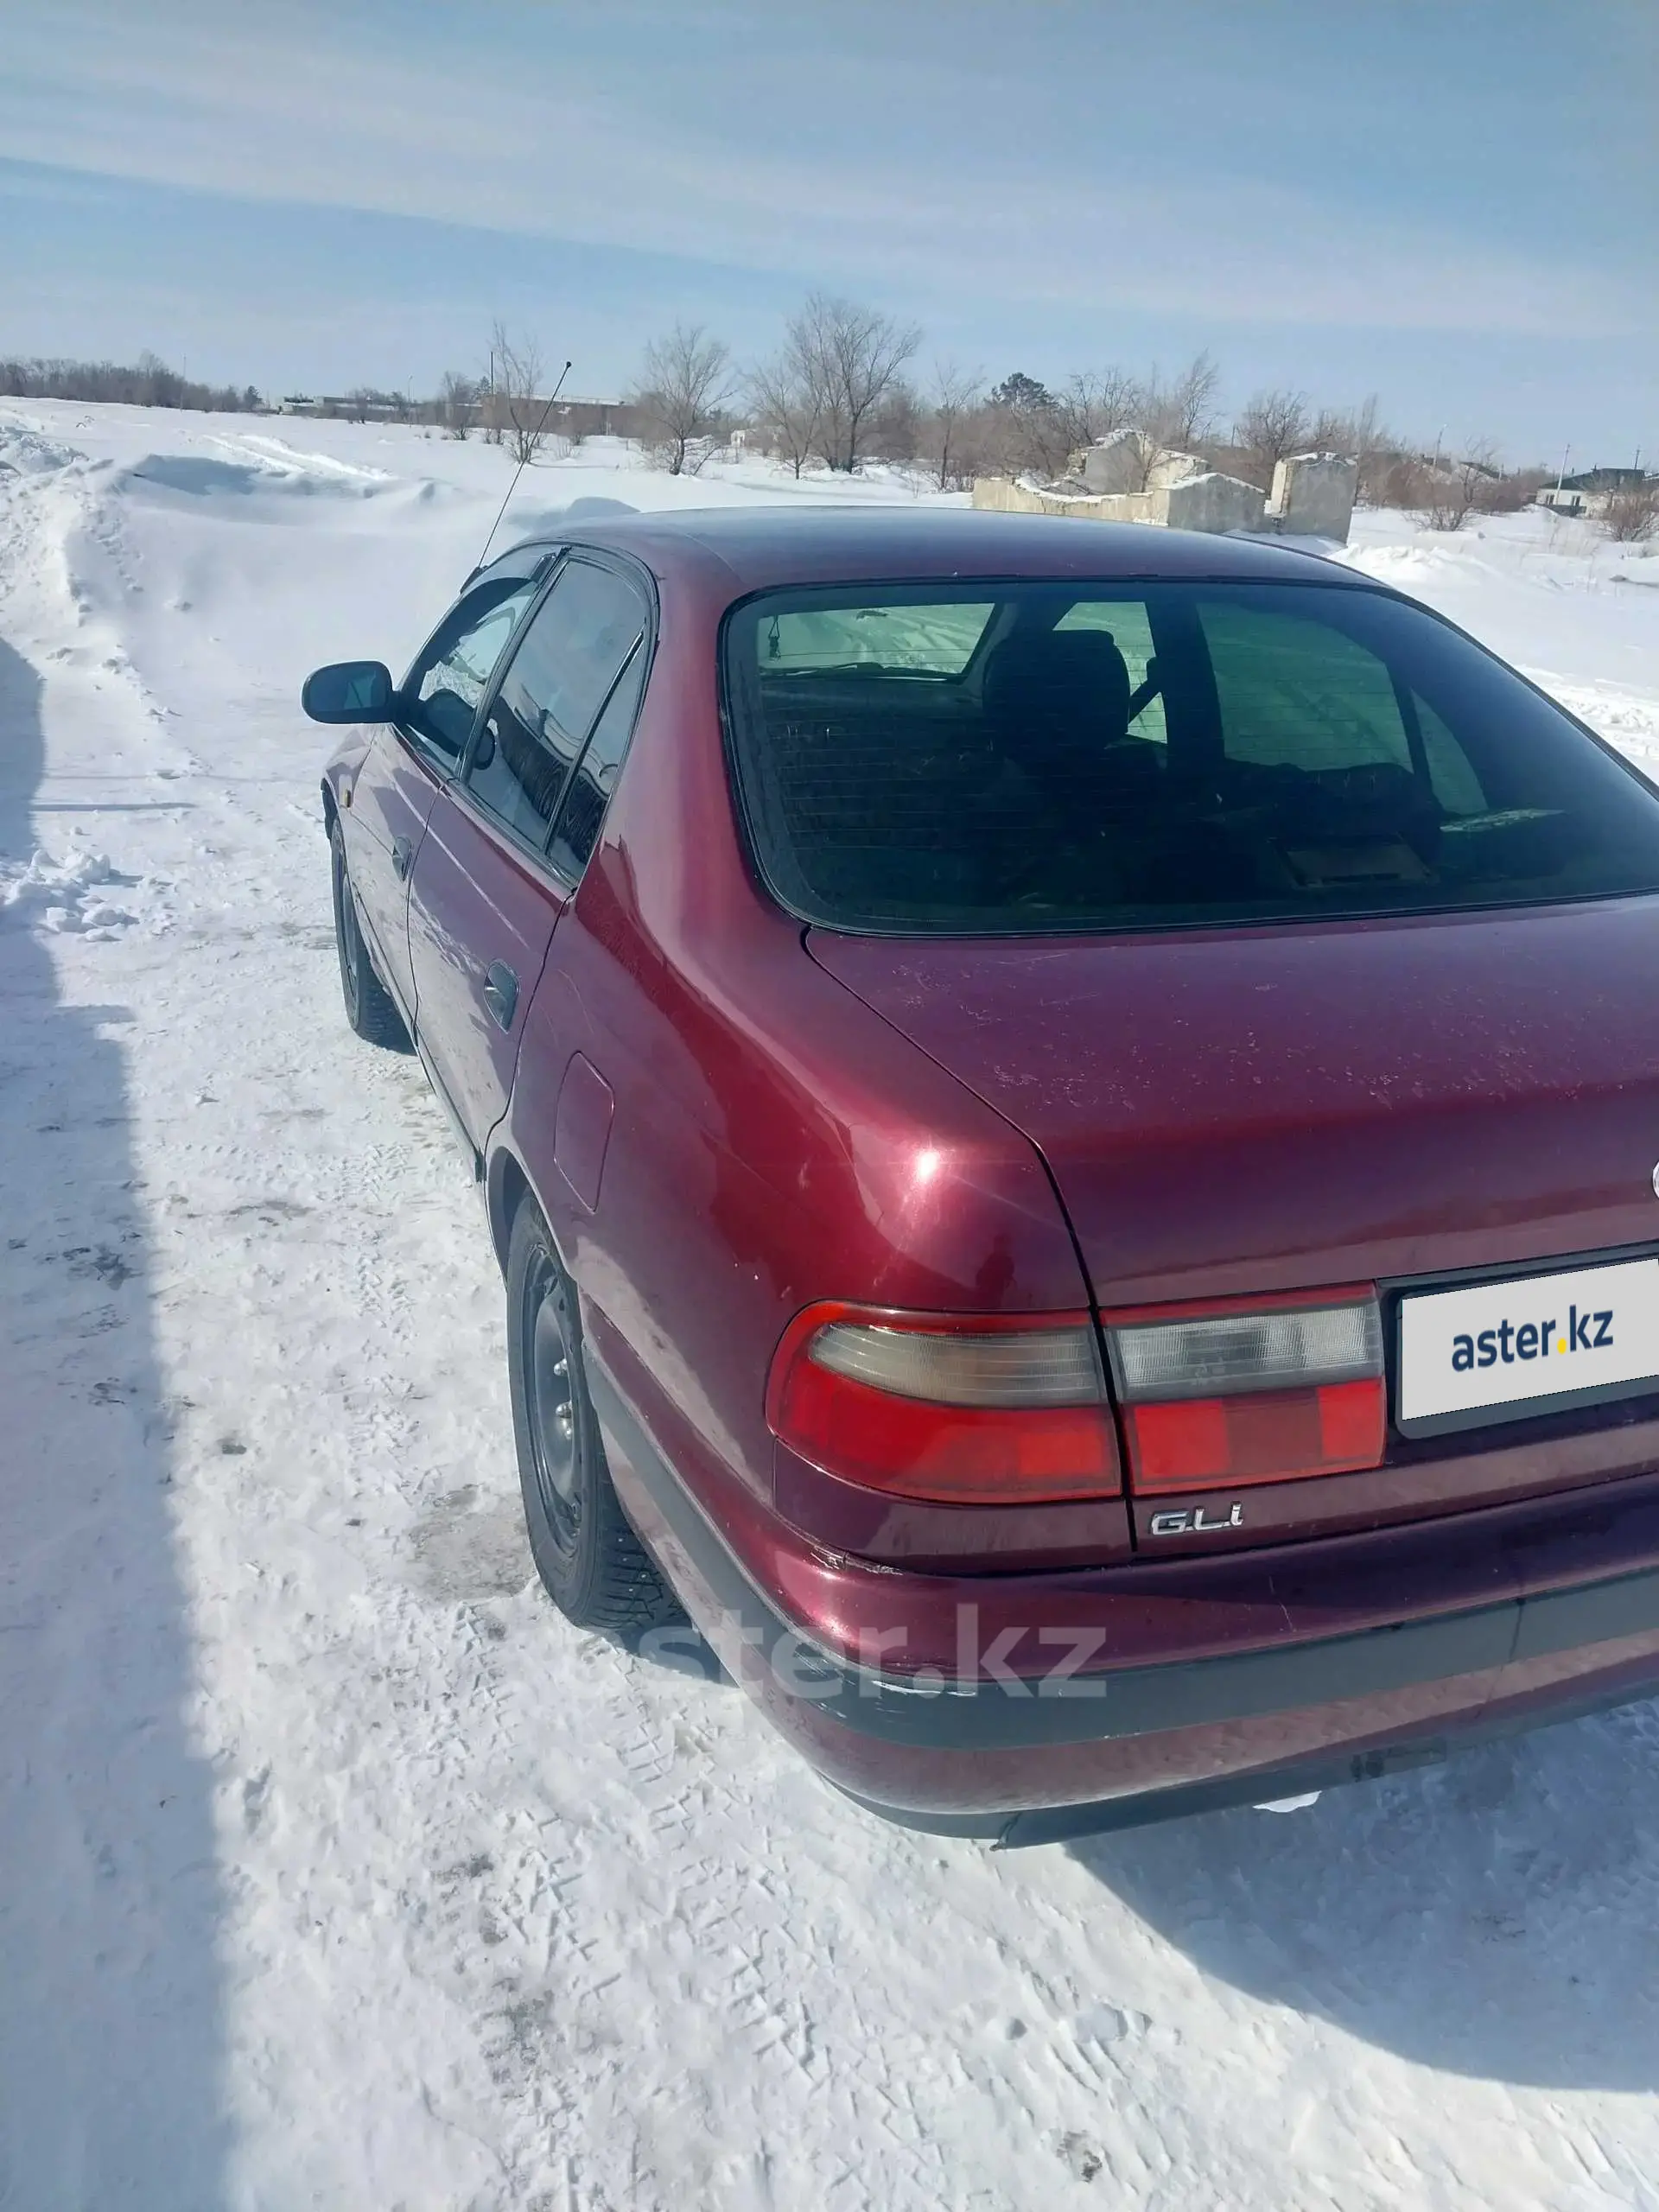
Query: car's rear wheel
(369, 1006)
(593, 1566)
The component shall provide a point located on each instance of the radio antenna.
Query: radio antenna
(530, 445)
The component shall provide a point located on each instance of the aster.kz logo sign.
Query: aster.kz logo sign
(1502, 1344)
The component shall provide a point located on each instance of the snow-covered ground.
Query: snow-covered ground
(334, 1870)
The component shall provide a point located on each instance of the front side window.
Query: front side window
(562, 673)
(440, 694)
(1157, 755)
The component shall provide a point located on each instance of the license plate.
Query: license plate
(1506, 1346)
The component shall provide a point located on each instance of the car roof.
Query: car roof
(789, 543)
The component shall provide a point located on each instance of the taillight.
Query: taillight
(1233, 1393)
(965, 1409)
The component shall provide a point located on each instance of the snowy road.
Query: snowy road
(337, 1871)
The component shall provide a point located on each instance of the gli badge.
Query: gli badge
(1200, 1522)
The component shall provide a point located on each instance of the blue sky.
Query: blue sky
(1452, 203)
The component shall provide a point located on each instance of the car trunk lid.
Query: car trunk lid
(1246, 1112)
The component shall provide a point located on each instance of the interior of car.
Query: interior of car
(1169, 755)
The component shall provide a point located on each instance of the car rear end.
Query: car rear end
(1311, 952)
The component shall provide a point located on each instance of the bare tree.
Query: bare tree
(1631, 513)
(158, 385)
(1093, 407)
(1178, 413)
(1168, 417)
(1459, 488)
(458, 396)
(786, 408)
(1401, 480)
(1274, 423)
(1354, 432)
(1040, 429)
(517, 406)
(952, 401)
(1359, 434)
(684, 382)
(895, 430)
(851, 358)
(1515, 489)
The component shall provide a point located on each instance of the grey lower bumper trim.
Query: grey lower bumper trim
(984, 1715)
(1107, 1815)
(1335, 1770)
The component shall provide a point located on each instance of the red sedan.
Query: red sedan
(1070, 1115)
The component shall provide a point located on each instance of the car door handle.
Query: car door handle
(501, 993)
(401, 853)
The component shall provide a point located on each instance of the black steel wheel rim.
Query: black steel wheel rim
(551, 1401)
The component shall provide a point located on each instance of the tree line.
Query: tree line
(841, 391)
(147, 382)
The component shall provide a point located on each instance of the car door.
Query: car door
(486, 893)
(391, 797)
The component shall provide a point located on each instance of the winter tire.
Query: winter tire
(369, 1006)
(593, 1566)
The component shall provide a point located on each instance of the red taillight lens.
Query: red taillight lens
(1240, 1394)
(1207, 1443)
(964, 1410)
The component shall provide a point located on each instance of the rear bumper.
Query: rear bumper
(982, 1749)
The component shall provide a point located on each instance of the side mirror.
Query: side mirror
(349, 691)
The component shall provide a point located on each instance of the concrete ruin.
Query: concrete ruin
(1313, 494)
(1117, 464)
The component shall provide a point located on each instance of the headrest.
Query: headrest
(1077, 677)
(1057, 700)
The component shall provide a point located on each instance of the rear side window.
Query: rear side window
(1157, 755)
(924, 641)
(588, 792)
(555, 687)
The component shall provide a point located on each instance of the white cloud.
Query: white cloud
(289, 104)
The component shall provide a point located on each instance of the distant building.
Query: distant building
(348, 405)
(1588, 492)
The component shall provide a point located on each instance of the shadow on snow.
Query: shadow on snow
(110, 2027)
(1492, 1917)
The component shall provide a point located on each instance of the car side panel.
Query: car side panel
(772, 1142)
(384, 808)
(476, 902)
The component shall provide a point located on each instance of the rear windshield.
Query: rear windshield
(1037, 756)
